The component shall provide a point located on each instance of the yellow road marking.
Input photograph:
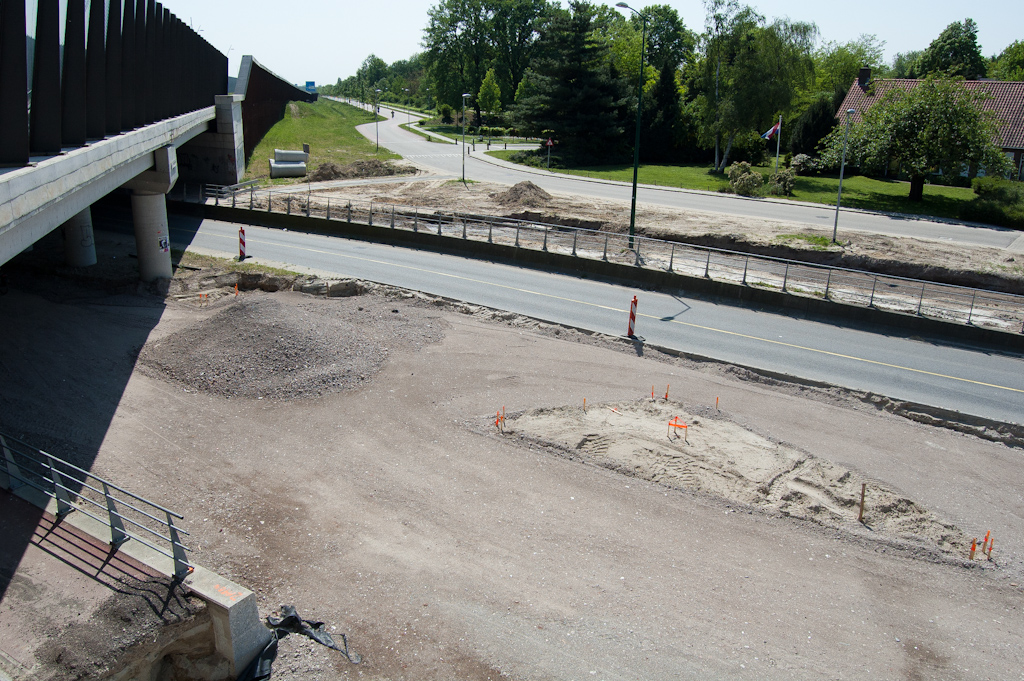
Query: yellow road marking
(616, 309)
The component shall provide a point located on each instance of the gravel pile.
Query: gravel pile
(523, 194)
(372, 168)
(262, 346)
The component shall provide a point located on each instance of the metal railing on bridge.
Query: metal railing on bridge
(127, 515)
(945, 302)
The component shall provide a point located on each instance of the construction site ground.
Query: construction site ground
(342, 455)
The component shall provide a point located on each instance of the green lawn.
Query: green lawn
(858, 191)
(455, 132)
(329, 129)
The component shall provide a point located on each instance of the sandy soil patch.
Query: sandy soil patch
(902, 256)
(717, 456)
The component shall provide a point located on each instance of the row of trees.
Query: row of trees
(573, 73)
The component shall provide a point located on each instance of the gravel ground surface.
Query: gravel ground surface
(384, 501)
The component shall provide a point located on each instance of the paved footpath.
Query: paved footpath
(51, 575)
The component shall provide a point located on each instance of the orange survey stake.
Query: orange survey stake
(676, 423)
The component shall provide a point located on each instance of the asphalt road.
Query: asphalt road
(447, 160)
(970, 380)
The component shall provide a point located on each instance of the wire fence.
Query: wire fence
(129, 516)
(945, 302)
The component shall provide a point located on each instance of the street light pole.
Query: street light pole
(639, 109)
(376, 116)
(464, 95)
(408, 114)
(842, 170)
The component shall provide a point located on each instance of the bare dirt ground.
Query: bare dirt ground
(968, 265)
(340, 454)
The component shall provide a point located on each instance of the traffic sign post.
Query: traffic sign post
(549, 144)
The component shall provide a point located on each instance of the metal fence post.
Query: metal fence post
(416, 220)
(59, 493)
(12, 474)
(350, 211)
(234, 195)
(252, 190)
(604, 256)
(517, 235)
(463, 228)
(636, 263)
(439, 220)
(971, 313)
(328, 208)
(371, 214)
(746, 264)
(117, 533)
(216, 197)
(785, 278)
(920, 302)
(289, 202)
(707, 265)
(575, 233)
(270, 200)
(392, 216)
(828, 283)
(874, 284)
(181, 566)
(545, 247)
(672, 258)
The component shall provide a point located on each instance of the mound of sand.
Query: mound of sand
(722, 458)
(372, 168)
(260, 346)
(523, 194)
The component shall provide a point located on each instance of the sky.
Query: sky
(323, 40)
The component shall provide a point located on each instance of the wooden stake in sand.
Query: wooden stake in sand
(666, 392)
(584, 405)
(716, 404)
(974, 546)
(990, 543)
(676, 423)
(863, 490)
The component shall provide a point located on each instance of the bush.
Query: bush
(802, 164)
(445, 110)
(782, 183)
(743, 180)
(999, 202)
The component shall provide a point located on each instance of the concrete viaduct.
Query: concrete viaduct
(124, 96)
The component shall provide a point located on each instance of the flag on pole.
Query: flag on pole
(775, 130)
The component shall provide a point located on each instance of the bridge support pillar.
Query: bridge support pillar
(79, 246)
(152, 236)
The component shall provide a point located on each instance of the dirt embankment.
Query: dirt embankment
(959, 264)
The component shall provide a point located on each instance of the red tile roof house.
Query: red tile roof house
(1006, 100)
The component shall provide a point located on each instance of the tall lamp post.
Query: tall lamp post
(464, 95)
(842, 170)
(639, 107)
(376, 116)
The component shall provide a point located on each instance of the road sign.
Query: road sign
(550, 143)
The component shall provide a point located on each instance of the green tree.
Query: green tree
(1009, 65)
(573, 91)
(458, 48)
(937, 126)
(904, 64)
(513, 29)
(663, 126)
(669, 42)
(954, 53)
(489, 96)
(836, 65)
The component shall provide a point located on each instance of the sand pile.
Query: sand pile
(260, 346)
(372, 168)
(722, 458)
(523, 194)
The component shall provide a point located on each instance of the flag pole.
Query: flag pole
(778, 143)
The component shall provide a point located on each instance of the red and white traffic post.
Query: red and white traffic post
(241, 243)
(550, 143)
(632, 318)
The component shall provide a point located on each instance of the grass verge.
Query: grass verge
(190, 260)
(429, 138)
(328, 127)
(858, 191)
